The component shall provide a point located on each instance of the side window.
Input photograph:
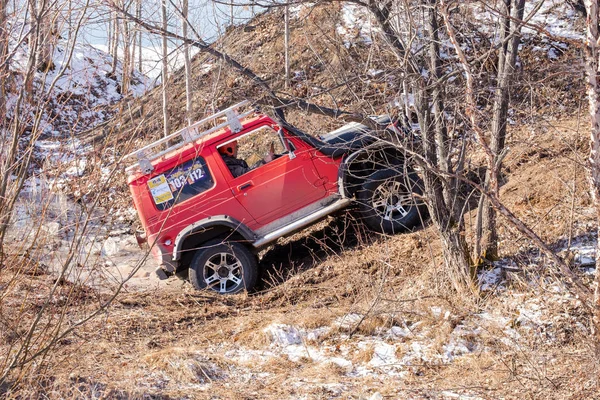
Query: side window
(255, 146)
(180, 183)
(252, 150)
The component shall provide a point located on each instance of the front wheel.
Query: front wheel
(390, 202)
(225, 267)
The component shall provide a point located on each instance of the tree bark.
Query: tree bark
(593, 89)
(114, 51)
(138, 14)
(4, 72)
(286, 45)
(187, 62)
(445, 216)
(165, 70)
(48, 36)
(127, 61)
(487, 235)
(439, 120)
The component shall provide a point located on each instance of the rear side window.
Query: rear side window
(180, 183)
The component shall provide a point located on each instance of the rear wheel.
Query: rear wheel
(225, 267)
(390, 202)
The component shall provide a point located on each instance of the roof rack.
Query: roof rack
(146, 154)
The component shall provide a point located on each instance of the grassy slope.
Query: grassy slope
(174, 343)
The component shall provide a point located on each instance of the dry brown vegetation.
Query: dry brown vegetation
(174, 342)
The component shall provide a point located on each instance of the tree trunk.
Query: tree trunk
(138, 14)
(593, 89)
(48, 37)
(188, 64)
(126, 73)
(165, 70)
(287, 46)
(444, 215)
(133, 31)
(4, 72)
(114, 51)
(487, 235)
(439, 120)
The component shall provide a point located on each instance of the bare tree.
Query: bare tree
(127, 52)
(165, 69)
(4, 41)
(512, 17)
(286, 46)
(37, 330)
(593, 88)
(138, 13)
(187, 62)
(43, 21)
(114, 42)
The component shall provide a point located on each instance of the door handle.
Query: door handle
(245, 186)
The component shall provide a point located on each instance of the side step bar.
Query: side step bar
(301, 223)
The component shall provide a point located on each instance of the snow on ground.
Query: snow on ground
(398, 352)
(356, 26)
(152, 56)
(555, 23)
(74, 96)
(76, 92)
(555, 19)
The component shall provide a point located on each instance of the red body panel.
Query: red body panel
(255, 198)
(280, 187)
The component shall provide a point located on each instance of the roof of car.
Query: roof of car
(182, 153)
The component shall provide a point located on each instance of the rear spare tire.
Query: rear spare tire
(225, 267)
(390, 202)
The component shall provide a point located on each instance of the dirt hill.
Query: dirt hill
(343, 313)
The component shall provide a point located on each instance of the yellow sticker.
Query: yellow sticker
(160, 190)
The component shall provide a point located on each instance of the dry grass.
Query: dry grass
(185, 344)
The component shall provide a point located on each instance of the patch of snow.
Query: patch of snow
(383, 355)
(356, 26)
(283, 335)
(437, 311)
(396, 331)
(459, 343)
(348, 321)
(110, 247)
(555, 18)
(73, 93)
(316, 335)
(297, 10)
(206, 68)
(342, 363)
(491, 279)
(376, 396)
(451, 395)
(76, 169)
(375, 73)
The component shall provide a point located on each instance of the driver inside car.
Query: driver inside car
(238, 166)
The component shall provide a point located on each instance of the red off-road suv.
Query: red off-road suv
(226, 190)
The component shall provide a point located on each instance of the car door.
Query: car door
(271, 190)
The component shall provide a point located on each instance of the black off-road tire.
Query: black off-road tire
(390, 202)
(224, 267)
